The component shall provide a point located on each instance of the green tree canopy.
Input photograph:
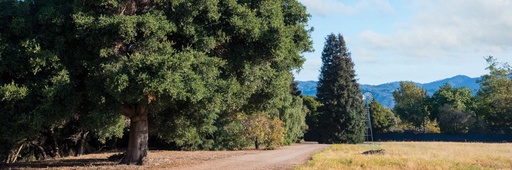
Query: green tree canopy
(312, 117)
(453, 120)
(186, 66)
(382, 118)
(452, 107)
(494, 97)
(411, 104)
(40, 85)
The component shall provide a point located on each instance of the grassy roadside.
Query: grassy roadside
(414, 155)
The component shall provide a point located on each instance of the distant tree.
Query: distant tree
(432, 127)
(411, 104)
(382, 118)
(343, 117)
(495, 96)
(454, 120)
(452, 107)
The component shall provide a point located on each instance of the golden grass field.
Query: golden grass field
(414, 155)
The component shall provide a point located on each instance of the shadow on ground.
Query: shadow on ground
(92, 162)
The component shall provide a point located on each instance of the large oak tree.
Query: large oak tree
(184, 64)
(155, 55)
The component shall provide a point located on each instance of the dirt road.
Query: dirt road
(282, 158)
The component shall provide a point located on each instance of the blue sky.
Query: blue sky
(421, 41)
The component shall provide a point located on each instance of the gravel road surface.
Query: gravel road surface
(283, 158)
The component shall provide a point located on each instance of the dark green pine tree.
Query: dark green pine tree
(343, 118)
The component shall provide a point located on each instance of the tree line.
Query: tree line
(336, 115)
(75, 76)
(458, 109)
(451, 109)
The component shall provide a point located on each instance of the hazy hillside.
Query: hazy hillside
(384, 92)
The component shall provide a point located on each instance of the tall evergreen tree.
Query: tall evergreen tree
(343, 114)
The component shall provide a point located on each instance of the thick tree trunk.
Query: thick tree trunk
(137, 149)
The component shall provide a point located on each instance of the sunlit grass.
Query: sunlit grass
(414, 155)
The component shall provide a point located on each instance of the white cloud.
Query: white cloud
(338, 7)
(384, 5)
(327, 7)
(420, 41)
(441, 28)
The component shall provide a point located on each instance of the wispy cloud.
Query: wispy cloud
(443, 27)
(414, 40)
(338, 7)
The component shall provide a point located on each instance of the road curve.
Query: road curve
(283, 158)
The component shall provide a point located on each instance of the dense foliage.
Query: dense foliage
(382, 119)
(312, 118)
(457, 109)
(343, 118)
(494, 109)
(453, 108)
(181, 71)
(411, 104)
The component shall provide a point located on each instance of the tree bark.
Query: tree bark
(42, 151)
(13, 156)
(137, 149)
(55, 145)
(81, 147)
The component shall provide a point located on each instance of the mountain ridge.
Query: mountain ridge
(383, 93)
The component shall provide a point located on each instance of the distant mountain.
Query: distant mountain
(384, 93)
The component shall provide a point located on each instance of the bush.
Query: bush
(260, 129)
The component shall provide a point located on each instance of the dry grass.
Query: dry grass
(414, 155)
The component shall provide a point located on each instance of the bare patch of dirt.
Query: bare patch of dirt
(375, 152)
(157, 159)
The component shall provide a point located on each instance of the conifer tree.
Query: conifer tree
(342, 120)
